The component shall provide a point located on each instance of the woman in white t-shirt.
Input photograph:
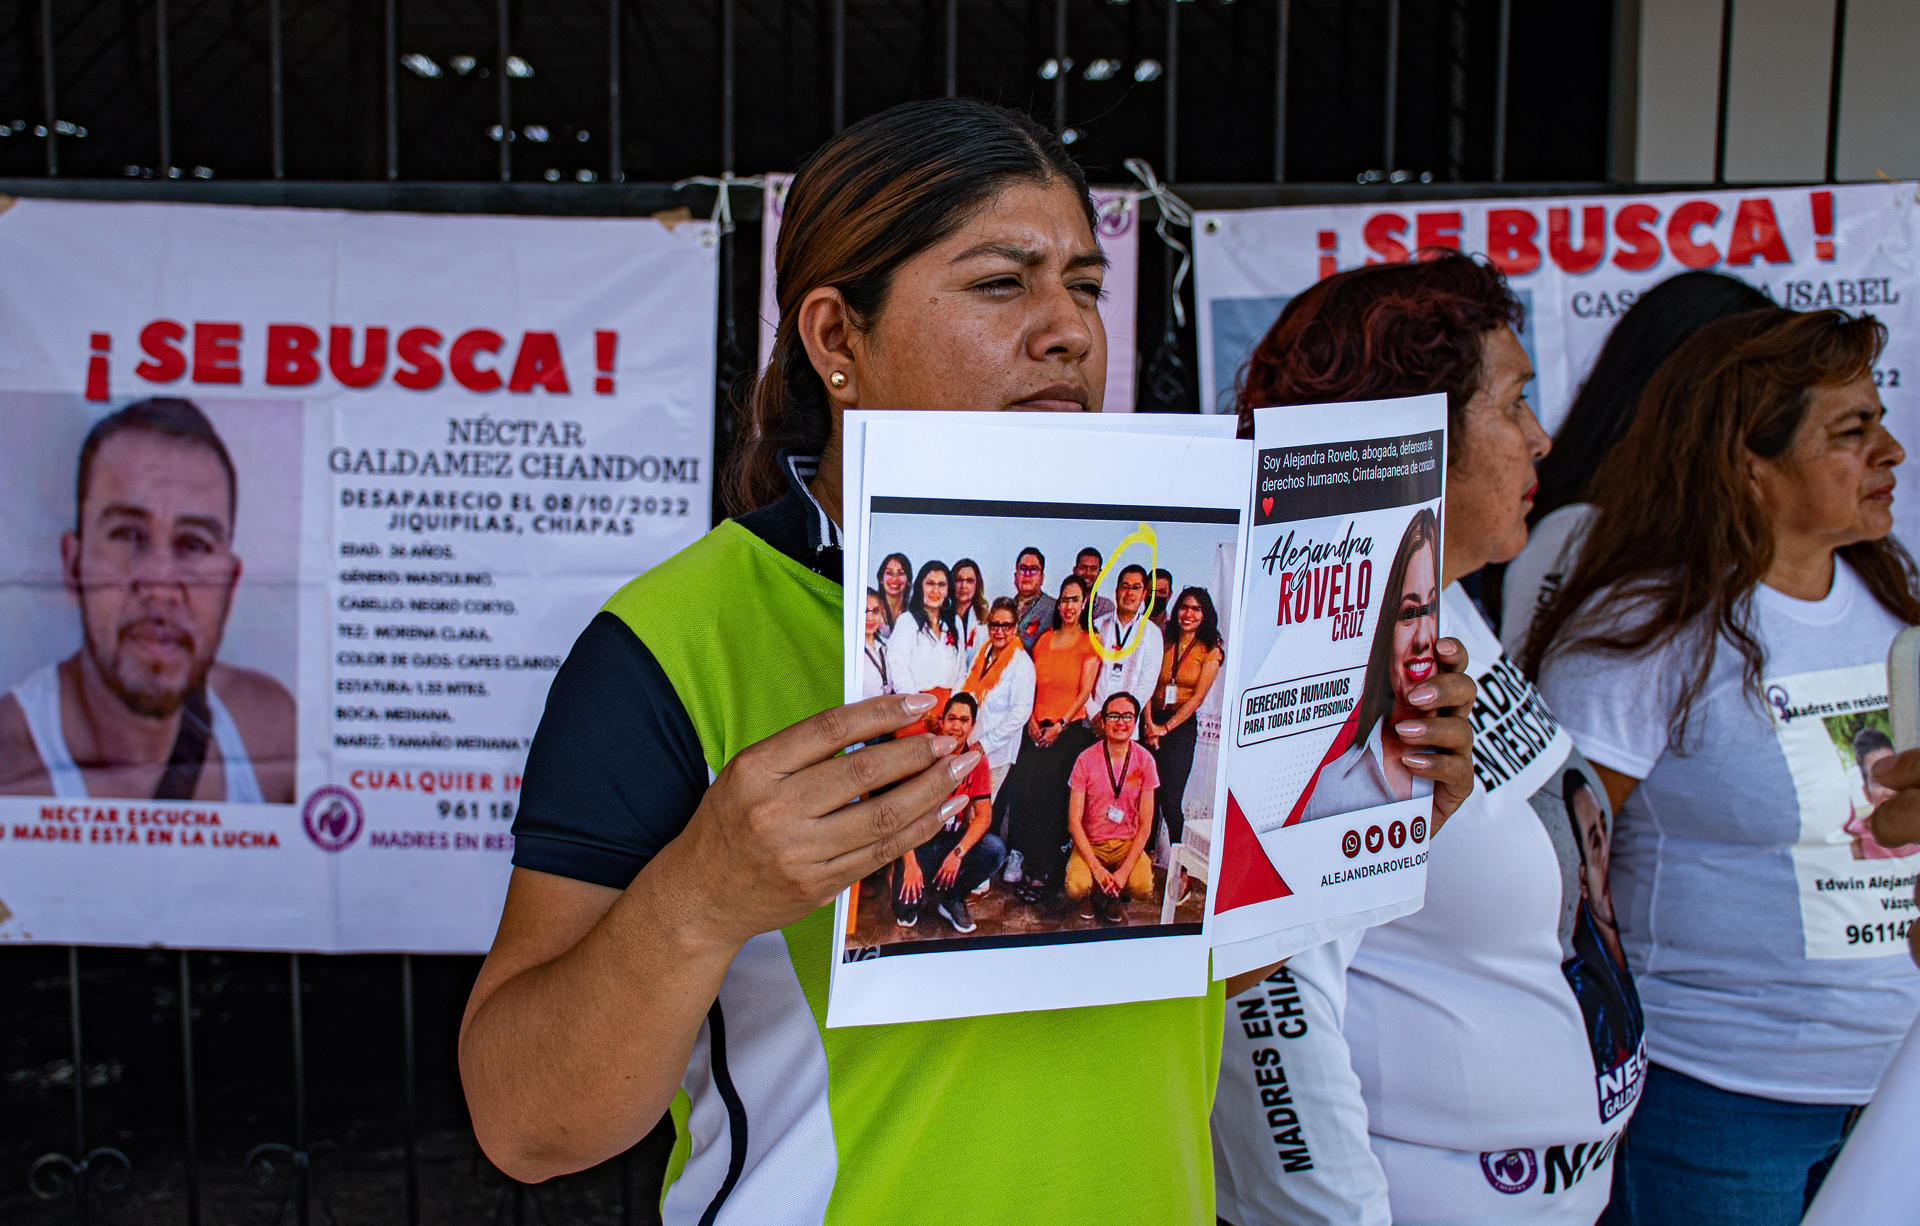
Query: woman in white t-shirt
(1659, 319)
(1474, 1062)
(1716, 651)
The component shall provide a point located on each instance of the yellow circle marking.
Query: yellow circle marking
(1143, 535)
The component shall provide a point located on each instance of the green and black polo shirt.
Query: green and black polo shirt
(1092, 1115)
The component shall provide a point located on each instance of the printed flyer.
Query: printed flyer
(1325, 828)
(1856, 897)
(1069, 618)
(304, 509)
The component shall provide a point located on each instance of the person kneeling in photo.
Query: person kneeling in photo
(1110, 815)
(962, 855)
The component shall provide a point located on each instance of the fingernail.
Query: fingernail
(953, 806)
(963, 765)
(918, 704)
(1421, 695)
(1449, 648)
(1409, 728)
(942, 746)
(1416, 761)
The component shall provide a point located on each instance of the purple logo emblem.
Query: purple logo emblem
(333, 818)
(1116, 215)
(1512, 1172)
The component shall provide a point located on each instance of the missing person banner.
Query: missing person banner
(1325, 827)
(1119, 238)
(1025, 596)
(304, 509)
(1578, 263)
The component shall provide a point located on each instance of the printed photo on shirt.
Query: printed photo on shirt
(1573, 808)
(1864, 739)
(152, 550)
(1856, 896)
(1078, 647)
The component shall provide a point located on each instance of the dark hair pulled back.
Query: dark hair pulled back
(861, 205)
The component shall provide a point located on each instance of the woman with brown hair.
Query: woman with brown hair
(1431, 1061)
(969, 608)
(689, 816)
(1737, 587)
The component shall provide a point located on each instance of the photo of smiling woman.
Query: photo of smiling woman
(1371, 771)
(895, 572)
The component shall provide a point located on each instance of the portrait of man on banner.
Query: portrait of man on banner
(145, 708)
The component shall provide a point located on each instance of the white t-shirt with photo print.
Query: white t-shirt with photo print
(1769, 959)
(1474, 1061)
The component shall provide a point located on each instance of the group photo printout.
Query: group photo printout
(1068, 605)
(1324, 827)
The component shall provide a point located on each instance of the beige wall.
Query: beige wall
(1778, 90)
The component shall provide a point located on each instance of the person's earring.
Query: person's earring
(837, 380)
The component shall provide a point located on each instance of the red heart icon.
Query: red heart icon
(1266, 505)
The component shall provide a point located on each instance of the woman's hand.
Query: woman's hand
(782, 829)
(1444, 730)
(912, 880)
(1895, 822)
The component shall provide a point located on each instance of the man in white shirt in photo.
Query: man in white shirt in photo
(1127, 627)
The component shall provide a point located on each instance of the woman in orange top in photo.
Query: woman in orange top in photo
(1065, 667)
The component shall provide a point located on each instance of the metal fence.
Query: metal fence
(170, 1086)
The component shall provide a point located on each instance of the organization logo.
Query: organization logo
(1116, 215)
(1511, 1172)
(1376, 838)
(1350, 844)
(333, 817)
(1397, 833)
(1419, 829)
(1777, 695)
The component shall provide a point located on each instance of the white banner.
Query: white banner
(1119, 237)
(277, 640)
(1577, 263)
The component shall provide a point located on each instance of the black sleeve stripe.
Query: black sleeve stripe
(615, 769)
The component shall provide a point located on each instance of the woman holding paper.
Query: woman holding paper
(1065, 668)
(1729, 615)
(691, 810)
(925, 647)
(1440, 1065)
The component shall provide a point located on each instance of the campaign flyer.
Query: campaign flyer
(1036, 598)
(1324, 828)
